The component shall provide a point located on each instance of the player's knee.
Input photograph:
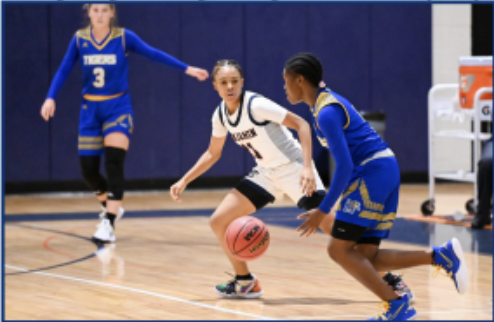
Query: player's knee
(214, 222)
(313, 201)
(114, 165)
(369, 251)
(333, 252)
(338, 249)
(90, 173)
(219, 222)
(89, 165)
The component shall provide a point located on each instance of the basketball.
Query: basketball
(247, 238)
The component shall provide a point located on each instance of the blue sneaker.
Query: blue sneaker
(449, 257)
(399, 309)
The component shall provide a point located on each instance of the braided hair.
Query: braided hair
(308, 66)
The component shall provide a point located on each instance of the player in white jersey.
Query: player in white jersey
(283, 164)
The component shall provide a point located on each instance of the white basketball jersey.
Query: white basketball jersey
(271, 144)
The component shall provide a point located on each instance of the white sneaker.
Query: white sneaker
(104, 234)
(120, 214)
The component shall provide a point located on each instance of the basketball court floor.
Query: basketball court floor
(166, 262)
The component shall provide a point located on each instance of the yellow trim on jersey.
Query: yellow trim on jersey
(366, 198)
(131, 123)
(86, 35)
(348, 191)
(377, 216)
(323, 141)
(325, 99)
(99, 98)
(123, 41)
(90, 139)
(119, 120)
(384, 226)
(90, 146)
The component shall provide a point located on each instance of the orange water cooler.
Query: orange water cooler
(475, 73)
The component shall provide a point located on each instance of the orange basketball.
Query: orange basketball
(247, 238)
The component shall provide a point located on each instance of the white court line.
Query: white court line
(144, 292)
(359, 316)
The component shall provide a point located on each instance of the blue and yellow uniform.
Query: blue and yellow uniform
(106, 105)
(367, 172)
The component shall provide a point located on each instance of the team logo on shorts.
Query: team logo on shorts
(351, 206)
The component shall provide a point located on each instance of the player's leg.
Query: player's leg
(369, 248)
(117, 129)
(362, 208)
(484, 189)
(288, 181)
(90, 150)
(116, 146)
(250, 195)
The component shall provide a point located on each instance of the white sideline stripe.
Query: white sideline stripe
(359, 316)
(143, 292)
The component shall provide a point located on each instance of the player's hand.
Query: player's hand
(313, 219)
(48, 109)
(199, 73)
(308, 181)
(177, 189)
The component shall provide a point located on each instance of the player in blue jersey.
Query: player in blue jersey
(367, 177)
(106, 117)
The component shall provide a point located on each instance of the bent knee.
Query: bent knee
(335, 251)
(219, 221)
(369, 251)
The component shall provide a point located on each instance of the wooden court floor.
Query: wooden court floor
(165, 267)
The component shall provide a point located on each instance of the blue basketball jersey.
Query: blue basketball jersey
(361, 138)
(104, 65)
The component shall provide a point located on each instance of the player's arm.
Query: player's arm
(331, 120)
(48, 108)
(135, 44)
(207, 160)
(307, 179)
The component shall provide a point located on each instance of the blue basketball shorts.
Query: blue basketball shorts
(371, 197)
(99, 118)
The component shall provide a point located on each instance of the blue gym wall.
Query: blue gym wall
(377, 55)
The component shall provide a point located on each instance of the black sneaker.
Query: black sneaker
(398, 285)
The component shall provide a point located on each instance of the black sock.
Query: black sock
(112, 218)
(103, 203)
(433, 256)
(244, 277)
(388, 278)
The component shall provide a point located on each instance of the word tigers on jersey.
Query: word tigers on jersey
(249, 134)
(100, 59)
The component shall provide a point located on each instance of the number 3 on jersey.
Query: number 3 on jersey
(100, 77)
(253, 151)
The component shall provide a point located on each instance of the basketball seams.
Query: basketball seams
(264, 249)
(238, 234)
(247, 246)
